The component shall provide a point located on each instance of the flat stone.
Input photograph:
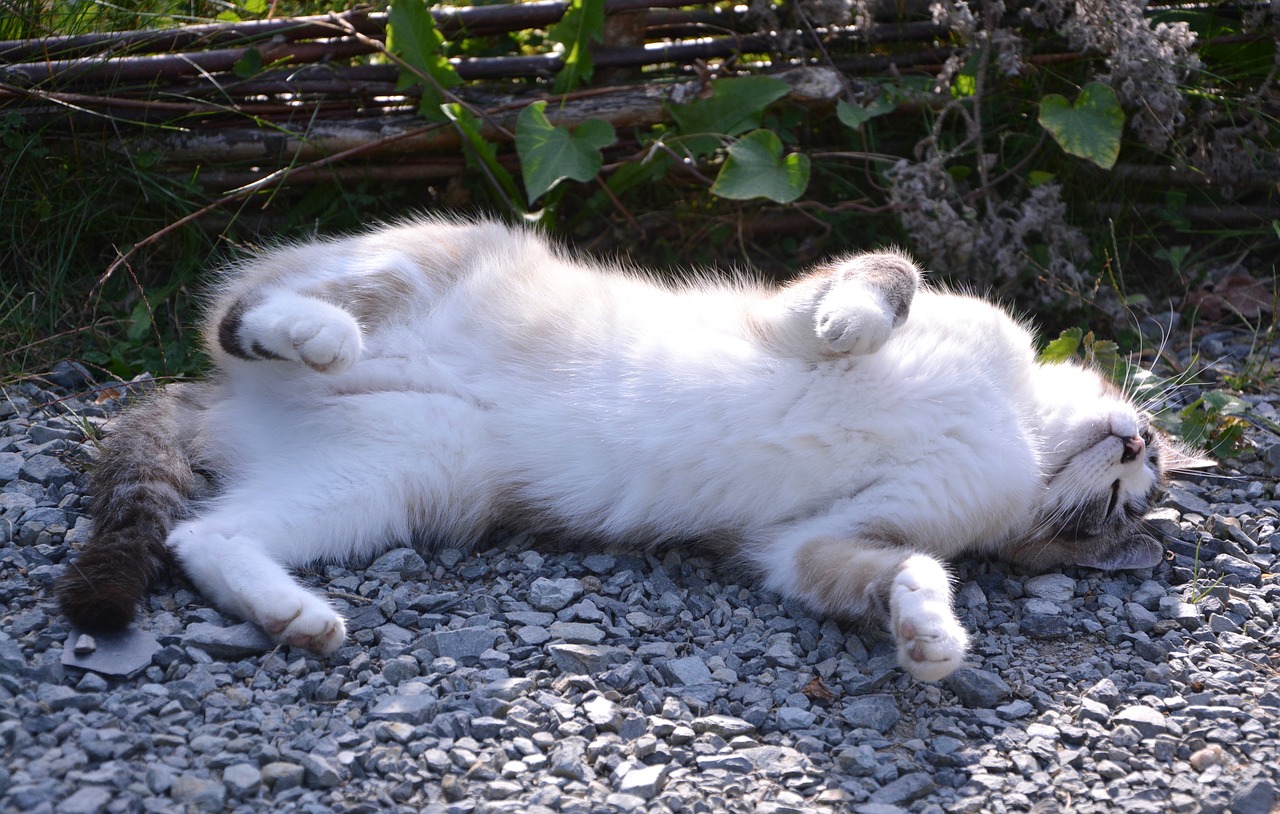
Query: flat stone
(465, 645)
(242, 779)
(734, 762)
(1014, 710)
(10, 467)
(792, 718)
(506, 689)
(645, 782)
(602, 713)
(906, 788)
(231, 643)
(1146, 720)
(1186, 501)
(1104, 691)
(586, 658)
(410, 709)
(978, 689)
(281, 775)
(121, 655)
(878, 712)
(726, 726)
(685, 671)
(577, 632)
(554, 594)
(1044, 626)
(569, 759)
(1139, 617)
(1058, 588)
(1245, 570)
(86, 800)
(198, 793)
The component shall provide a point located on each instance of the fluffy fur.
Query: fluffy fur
(841, 436)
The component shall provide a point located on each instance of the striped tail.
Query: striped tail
(141, 487)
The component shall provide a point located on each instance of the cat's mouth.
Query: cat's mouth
(1115, 498)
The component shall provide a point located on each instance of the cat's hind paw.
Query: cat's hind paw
(931, 642)
(328, 343)
(858, 327)
(305, 621)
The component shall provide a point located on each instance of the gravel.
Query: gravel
(528, 677)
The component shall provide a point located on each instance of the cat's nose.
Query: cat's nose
(1133, 447)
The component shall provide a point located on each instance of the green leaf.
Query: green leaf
(581, 23)
(852, 116)
(1037, 177)
(756, 168)
(1090, 128)
(139, 321)
(412, 35)
(1063, 348)
(550, 154)
(735, 106)
(249, 63)
(483, 155)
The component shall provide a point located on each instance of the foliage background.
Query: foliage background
(1090, 160)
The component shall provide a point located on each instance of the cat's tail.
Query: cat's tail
(141, 486)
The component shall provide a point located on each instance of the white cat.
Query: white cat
(840, 436)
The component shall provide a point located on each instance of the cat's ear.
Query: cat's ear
(1139, 551)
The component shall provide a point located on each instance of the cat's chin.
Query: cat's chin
(1137, 552)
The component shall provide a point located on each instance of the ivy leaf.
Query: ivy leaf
(852, 116)
(1063, 348)
(1090, 128)
(549, 154)
(412, 35)
(581, 23)
(735, 106)
(756, 168)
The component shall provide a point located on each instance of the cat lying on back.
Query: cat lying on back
(840, 436)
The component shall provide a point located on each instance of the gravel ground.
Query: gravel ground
(531, 678)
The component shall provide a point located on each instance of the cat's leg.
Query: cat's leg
(377, 470)
(864, 576)
(849, 306)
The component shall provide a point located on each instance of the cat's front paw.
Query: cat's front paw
(931, 642)
(328, 343)
(855, 326)
(306, 621)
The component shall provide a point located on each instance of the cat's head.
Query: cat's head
(1103, 465)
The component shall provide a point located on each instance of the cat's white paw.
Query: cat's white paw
(303, 620)
(857, 326)
(931, 641)
(328, 343)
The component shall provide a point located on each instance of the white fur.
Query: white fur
(505, 380)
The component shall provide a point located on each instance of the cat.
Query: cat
(840, 436)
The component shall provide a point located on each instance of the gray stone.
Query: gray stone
(1256, 796)
(791, 718)
(586, 658)
(726, 726)
(231, 643)
(242, 779)
(198, 793)
(321, 773)
(406, 562)
(1044, 626)
(1146, 720)
(733, 762)
(1139, 617)
(1245, 570)
(645, 782)
(553, 594)
(400, 669)
(1014, 710)
(281, 775)
(878, 712)
(1058, 588)
(685, 671)
(46, 470)
(569, 759)
(602, 713)
(121, 655)
(410, 709)
(10, 467)
(86, 800)
(1186, 501)
(465, 645)
(599, 563)
(906, 788)
(978, 689)
(506, 689)
(577, 632)
(1104, 691)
